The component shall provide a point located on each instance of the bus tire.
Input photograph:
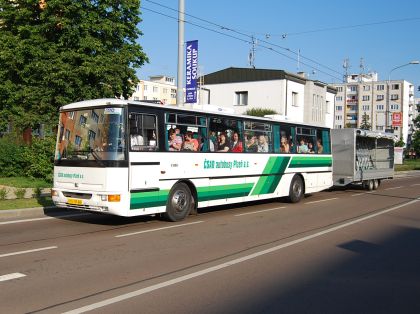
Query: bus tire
(375, 184)
(180, 202)
(296, 190)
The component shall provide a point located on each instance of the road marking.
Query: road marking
(327, 199)
(415, 184)
(394, 188)
(11, 276)
(43, 218)
(358, 194)
(29, 251)
(157, 229)
(259, 211)
(200, 273)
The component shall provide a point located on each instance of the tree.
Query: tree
(259, 112)
(53, 52)
(365, 125)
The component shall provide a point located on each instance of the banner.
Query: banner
(396, 119)
(191, 71)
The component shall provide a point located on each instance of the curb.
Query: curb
(27, 212)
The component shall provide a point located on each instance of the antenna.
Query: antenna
(346, 66)
(362, 69)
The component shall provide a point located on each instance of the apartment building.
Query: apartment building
(387, 105)
(159, 88)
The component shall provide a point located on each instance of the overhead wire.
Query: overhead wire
(244, 40)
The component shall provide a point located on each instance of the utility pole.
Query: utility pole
(180, 78)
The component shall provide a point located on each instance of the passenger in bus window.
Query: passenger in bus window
(136, 140)
(320, 148)
(284, 148)
(303, 147)
(310, 148)
(236, 144)
(190, 143)
(262, 144)
(174, 142)
(223, 145)
(251, 144)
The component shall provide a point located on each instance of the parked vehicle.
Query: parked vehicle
(362, 157)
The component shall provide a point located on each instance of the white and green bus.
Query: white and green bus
(130, 158)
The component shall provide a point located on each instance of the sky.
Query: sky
(384, 34)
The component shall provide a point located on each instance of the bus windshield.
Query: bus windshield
(91, 134)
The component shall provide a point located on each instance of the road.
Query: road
(338, 251)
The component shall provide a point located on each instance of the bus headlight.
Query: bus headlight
(104, 198)
(114, 198)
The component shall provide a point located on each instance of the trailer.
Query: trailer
(362, 157)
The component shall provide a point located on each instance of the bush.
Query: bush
(12, 162)
(3, 194)
(20, 193)
(259, 112)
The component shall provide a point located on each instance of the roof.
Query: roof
(235, 75)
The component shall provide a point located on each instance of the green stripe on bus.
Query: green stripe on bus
(223, 191)
(303, 162)
(148, 199)
(273, 172)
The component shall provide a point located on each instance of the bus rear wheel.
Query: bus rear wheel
(296, 190)
(180, 202)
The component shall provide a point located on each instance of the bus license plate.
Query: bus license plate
(74, 201)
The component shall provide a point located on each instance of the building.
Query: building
(293, 96)
(386, 105)
(159, 88)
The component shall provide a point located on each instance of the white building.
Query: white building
(386, 104)
(292, 96)
(159, 88)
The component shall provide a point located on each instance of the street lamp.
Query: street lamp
(387, 114)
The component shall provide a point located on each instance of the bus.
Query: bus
(130, 158)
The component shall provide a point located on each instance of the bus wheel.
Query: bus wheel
(179, 202)
(375, 184)
(296, 189)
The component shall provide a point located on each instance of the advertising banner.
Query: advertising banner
(191, 71)
(396, 119)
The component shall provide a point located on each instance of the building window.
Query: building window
(366, 97)
(365, 107)
(136, 98)
(155, 89)
(165, 90)
(94, 116)
(145, 87)
(380, 87)
(295, 101)
(241, 98)
(340, 89)
(91, 135)
(82, 120)
(394, 96)
(379, 128)
(145, 98)
(338, 118)
(78, 140)
(71, 115)
(339, 98)
(395, 86)
(338, 108)
(352, 88)
(379, 97)
(395, 107)
(379, 107)
(366, 88)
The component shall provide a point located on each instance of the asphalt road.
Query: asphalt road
(339, 251)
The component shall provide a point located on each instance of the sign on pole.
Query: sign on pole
(191, 71)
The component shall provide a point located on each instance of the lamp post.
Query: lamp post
(388, 122)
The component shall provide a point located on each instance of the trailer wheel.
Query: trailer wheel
(296, 190)
(180, 202)
(369, 185)
(376, 184)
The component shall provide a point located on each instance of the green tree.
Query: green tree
(365, 125)
(259, 112)
(53, 52)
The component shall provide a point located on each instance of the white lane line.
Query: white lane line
(29, 251)
(328, 199)
(43, 218)
(415, 184)
(11, 276)
(358, 194)
(260, 211)
(199, 273)
(394, 188)
(157, 229)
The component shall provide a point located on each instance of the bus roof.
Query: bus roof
(122, 102)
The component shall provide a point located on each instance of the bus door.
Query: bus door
(144, 167)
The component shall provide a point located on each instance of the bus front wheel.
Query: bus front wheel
(296, 190)
(180, 202)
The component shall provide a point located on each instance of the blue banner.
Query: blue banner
(191, 71)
